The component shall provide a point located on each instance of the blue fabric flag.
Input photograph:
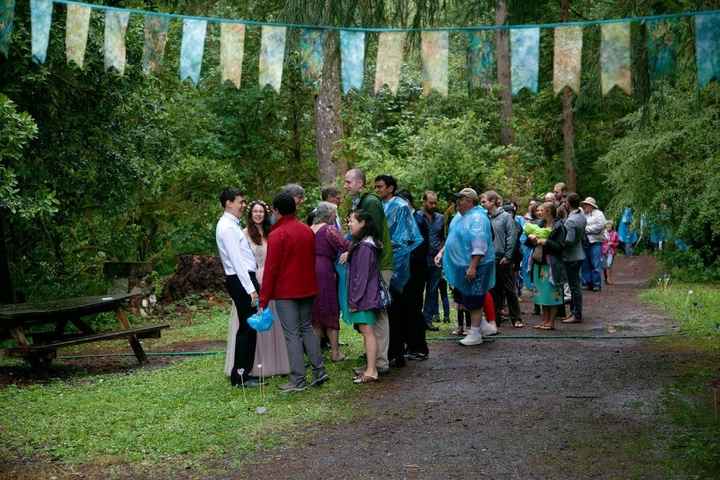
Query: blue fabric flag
(352, 53)
(662, 52)
(40, 18)
(7, 18)
(191, 50)
(524, 57)
(707, 48)
(480, 59)
(405, 237)
(470, 233)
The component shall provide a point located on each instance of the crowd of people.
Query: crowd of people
(384, 267)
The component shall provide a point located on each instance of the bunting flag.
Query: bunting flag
(40, 19)
(352, 54)
(567, 59)
(312, 55)
(389, 60)
(524, 59)
(707, 48)
(615, 57)
(272, 56)
(435, 62)
(232, 49)
(115, 27)
(156, 32)
(7, 18)
(76, 33)
(661, 48)
(191, 49)
(480, 59)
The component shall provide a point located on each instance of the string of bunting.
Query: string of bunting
(615, 58)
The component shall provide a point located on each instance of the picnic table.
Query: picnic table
(39, 346)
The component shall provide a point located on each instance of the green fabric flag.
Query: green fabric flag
(115, 52)
(76, 33)
(662, 51)
(156, 31)
(7, 18)
(312, 56)
(272, 56)
(615, 57)
(435, 62)
(567, 59)
(389, 60)
(707, 48)
(232, 49)
(480, 59)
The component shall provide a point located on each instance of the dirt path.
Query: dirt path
(523, 408)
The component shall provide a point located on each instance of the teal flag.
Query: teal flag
(480, 59)
(115, 52)
(191, 50)
(524, 58)
(707, 48)
(7, 18)
(272, 56)
(662, 51)
(352, 53)
(40, 19)
(312, 55)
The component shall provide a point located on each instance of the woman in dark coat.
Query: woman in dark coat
(549, 272)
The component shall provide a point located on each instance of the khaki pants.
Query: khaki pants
(382, 329)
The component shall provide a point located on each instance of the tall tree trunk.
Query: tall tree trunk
(568, 121)
(6, 288)
(502, 47)
(328, 123)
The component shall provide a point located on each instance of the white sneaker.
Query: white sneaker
(472, 339)
(488, 329)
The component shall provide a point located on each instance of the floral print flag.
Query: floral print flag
(232, 49)
(7, 18)
(389, 60)
(40, 19)
(192, 48)
(352, 54)
(115, 27)
(435, 62)
(156, 31)
(615, 57)
(480, 59)
(272, 56)
(76, 33)
(567, 59)
(312, 55)
(662, 52)
(707, 48)
(524, 59)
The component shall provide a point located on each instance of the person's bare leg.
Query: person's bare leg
(608, 276)
(476, 318)
(334, 344)
(319, 332)
(552, 312)
(370, 349)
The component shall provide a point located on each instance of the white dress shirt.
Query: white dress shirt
(235, 253)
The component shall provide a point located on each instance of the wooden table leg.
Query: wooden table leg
(133, 340)
(19, 335)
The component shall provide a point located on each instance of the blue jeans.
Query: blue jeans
(442, 289)
(592, 266)
(431, 308)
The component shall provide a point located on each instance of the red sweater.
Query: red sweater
(290, 264)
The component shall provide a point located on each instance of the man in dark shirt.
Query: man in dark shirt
(432, 228)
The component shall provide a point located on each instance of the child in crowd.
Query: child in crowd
(609, 249)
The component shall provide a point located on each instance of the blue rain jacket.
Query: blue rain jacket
(467, 233)
(405, 237)
(625, 230)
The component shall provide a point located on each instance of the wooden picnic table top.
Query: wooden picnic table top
(53, 310)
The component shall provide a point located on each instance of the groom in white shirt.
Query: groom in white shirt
(239, 265)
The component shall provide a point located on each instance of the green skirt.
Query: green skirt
(545, 292)
(351, 318)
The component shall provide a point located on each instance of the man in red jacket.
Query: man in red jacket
(289, 279)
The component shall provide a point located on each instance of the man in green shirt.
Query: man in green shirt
(371, 203)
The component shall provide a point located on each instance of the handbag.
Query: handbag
(385, 297)
(537, 254)
(261, 322)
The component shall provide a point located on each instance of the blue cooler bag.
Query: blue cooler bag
(262, 322)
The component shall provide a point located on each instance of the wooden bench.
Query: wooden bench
(15, 320)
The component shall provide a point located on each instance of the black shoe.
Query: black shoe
(418, 357)
(433, 328)
(320, 380)
(397, 362)
(249, 383)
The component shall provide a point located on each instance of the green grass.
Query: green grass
(184, 412)
(695, 306)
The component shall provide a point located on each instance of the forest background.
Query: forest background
(96, 167)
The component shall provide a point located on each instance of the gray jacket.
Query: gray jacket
(503, 226)
(575, 225)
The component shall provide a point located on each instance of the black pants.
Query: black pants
(246, 336)
(573, 270)
(504, 289)
(416, 325)
(399, 320)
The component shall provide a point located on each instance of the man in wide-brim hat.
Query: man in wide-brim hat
(592, 265)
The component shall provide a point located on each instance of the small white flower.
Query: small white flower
(690, 292)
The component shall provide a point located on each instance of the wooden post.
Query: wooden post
(132, 339)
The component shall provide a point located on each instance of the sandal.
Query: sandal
(518, 324)
(341, 358)
(362, 378)
(544, 327)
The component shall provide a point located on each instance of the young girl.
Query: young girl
(360, 296)
(609, 249)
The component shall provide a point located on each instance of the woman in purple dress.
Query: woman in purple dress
(328, 245)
